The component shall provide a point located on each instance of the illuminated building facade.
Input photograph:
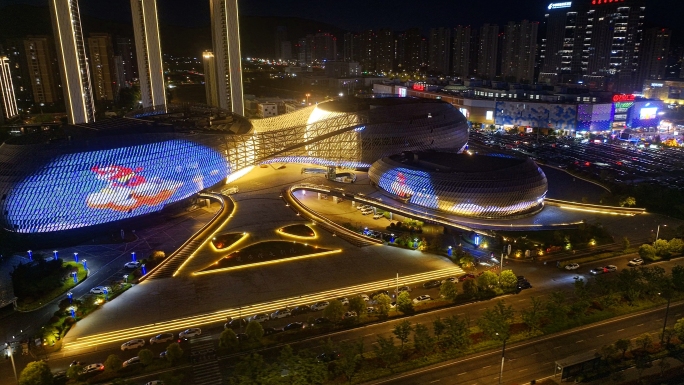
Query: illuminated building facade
(210, 89)
(227, 58)
(73, 61)
(102, 66)
(40, 57)
(148, 50)
(9, 101)
(466, 185)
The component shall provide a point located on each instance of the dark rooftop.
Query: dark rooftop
(449, 162)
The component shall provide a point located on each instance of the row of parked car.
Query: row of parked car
(367, 210)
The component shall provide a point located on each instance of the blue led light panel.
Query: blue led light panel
(413, 184)
(90, 188)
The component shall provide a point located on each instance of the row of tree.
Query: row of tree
(661, 248)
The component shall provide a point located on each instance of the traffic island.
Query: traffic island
(40, 282)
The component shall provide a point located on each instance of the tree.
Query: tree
(74, 372)
(508, 280)
(382, 304)
(487, 281)
(647, 252)
(662, 248)
(350, 359)
(679, 329)
(470, 289)
(466, 260)
(457, 333)
(623, 345)
(625, 244)
(174, 353)
(532, 315)
(496, 322)
(404, 303)
(438, 328)
(449, 291)
(112, 363)
(357, 304)
(36, 373)
(667, 335)
(171, 378)
(644, 342)
(386, 350)
(254, 331)
(678, 277)
(334, 311)
(228, 340)
(422, 340)
(251, 369)
(146, 356)
(675, 246)
(403, 330)
(608, 352)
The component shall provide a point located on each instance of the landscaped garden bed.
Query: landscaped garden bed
(224, 241)
(298, 231)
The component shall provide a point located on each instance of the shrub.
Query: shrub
(404, 303)
(68, 321)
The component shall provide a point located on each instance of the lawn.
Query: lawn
(29, 304)
(298, 231)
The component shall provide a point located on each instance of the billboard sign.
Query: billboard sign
(565, 4)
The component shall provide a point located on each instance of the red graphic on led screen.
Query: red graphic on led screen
(127, 189)
(400, 188)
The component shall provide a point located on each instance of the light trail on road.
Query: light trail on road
(243, 311)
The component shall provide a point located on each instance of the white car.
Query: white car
(92, 368)
(572, 266)
(611, 268)
(377, 216)
(365, 297)
(261, 317)
(350, 314)
(192, 332)
(134, 360)
(370, 310)
(133, 344)
(100, 290)
(367, 212)
(161, 338)
(282, 313)
(635, 262)
(344, 300)
(132, 265)
(320, 305)
(421, 299)
(450, 279)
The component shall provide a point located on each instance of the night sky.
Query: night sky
(360, 14)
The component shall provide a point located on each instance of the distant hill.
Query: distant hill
(257, 33)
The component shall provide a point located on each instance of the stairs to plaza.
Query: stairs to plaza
(205, 366)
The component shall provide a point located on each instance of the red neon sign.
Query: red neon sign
(594, 2)
(418, 87)
(623, 98)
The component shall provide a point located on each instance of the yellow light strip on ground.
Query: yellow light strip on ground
(240, 240)
(244, 311)
(267, 262)
(315, 236)
(596, 211)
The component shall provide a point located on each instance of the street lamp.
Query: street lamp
(667, 310)
(307, 98)
(503, 352)
(657, 234)
(9, 351)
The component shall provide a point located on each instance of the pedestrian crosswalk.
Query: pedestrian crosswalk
(205, 367)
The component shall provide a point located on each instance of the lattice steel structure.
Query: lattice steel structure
(462, 184)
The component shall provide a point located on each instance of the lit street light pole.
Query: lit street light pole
(667, 310)
(503, 352)
(657, 234)
(11, 354)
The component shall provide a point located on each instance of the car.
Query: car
(366, 212)
(302, 309)
(79, 363)
(350, 314)
(294, 326)
(364, 297)
(322, 320)
(261, 317)
(598, 270)
(361, 207)
(521, 278)
(320, 305)
(524, 285)
(370, 310)
(59, 376)
(192, 332)
(466, 276)
(162, 354)
(344, 300)
(422, 298)
(431, 284)
(377, 216)
(133, 344)
(268, 331)
(92, 368)
(100, 290)
(235, 324)
(155, 382)
(132, 361)
(242, 337)
(611, 268)
(282, 313)
(572, 266)
(132, 265)
(161, 338)
(450, 279)
(402, 289)
(635, 262)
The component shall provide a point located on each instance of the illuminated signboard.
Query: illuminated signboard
(566, 4)
(90, 188)
(594, 2)
(657, 85)
(419, 87)
(648, 113)
(623, 98)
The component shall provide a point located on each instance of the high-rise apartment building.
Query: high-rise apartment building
(350, 48)
(73, 62)
(654, 54)
(9, 101)
(563, 35)
(519, 51)
(43, 74)
(384, 50)
(410, 50)
(488, 51)
(440, 50)
(226, 43)
(366, 55)
(14, 50)
(102, 69)
(210, 78)
(148, 50)
(125, 49)
(460, 64)
(324, 47)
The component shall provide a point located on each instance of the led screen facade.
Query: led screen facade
(88, 188)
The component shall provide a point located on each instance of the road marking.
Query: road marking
(534, 354)
(460, 374)
(640, 325)
(485, 367)
(522, 370)
(368, 335)
(600, 335)
(558, 347)
(579, 341)
(432, 382)
(620, 330)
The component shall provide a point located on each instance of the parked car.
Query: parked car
(161, 338)
(370, 310)
(421, 299)
(377, 216)
(572, 266)
(598, 270)
(162, 355)
(282, 313)
(269, 331)
(320, 305)
(242, 337)
(132, 361)
(192, 332)
(450, 279)
(364, 297)
(261, 317)
(402, 289)
(92, 368)
(322, 320)
(635, 262)
(132, 265)
(155, 382)
(524, 285)
(344, 300)
(133, 344)
(367, 212)
(350, 314)
(431, 284)
(100, 290)
(294, 326)
(235, 324)
(466, 276)
(302, 309)
(79, 363)
(611, 268)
